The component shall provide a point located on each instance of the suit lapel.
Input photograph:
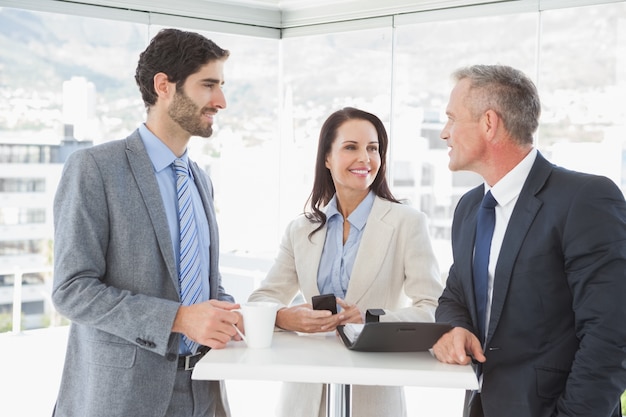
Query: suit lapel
(309, 264)
(523, 215)
(205, 193)
(143, 172)
(464, 245)
(372, 251)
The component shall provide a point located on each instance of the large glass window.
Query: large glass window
(68, 70)
(426, 54)
(243, 154)
(76, 82)
(582, 82)
(75, 87)
(322, 74)
(63, 79)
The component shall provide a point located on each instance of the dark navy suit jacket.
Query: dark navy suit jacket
(556, 343)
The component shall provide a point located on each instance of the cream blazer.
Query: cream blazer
(395, 269)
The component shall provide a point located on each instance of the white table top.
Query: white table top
(323, 358)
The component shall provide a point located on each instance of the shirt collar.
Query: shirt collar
(160, 155)
(359, 216)
(510, 186)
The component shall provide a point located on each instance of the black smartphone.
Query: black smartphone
(325, 302)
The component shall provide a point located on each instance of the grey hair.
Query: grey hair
(508, 92)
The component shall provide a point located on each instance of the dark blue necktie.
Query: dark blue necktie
(484, 232)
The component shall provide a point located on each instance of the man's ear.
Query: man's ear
(491, 122)
(162, 85)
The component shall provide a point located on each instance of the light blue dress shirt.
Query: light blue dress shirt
(337, 259)
(162, 159)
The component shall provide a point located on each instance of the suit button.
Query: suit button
(171, 357)
(146, 343)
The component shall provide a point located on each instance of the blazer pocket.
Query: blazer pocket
(550, 382)
(113, 355)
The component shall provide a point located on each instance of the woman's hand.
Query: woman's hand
(302, 318)
(350, 313)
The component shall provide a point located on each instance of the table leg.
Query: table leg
(338, 400)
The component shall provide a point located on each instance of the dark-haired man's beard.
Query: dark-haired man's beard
(188, 115)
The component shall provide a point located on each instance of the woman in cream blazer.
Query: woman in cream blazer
(394, 267)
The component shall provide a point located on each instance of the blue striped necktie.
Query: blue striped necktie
(189, 264)
(485, 225)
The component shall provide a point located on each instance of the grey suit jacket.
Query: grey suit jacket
(115, 278)
(556, 342)
(395, 269)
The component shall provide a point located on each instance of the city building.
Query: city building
(29, 174)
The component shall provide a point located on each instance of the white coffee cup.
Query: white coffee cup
(258, 322)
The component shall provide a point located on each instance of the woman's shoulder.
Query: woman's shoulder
(302, 222)
(400, 216)
(401, 209)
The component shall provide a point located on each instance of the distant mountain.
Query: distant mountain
(41, 50)
(578, 50)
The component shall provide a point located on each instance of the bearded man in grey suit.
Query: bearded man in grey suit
(117, 251)
(551, 341)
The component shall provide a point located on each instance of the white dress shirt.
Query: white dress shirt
(506, 192)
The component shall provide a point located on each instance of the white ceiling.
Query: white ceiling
(281, 14)
(352, 4)
(373, 7)
(264, 18)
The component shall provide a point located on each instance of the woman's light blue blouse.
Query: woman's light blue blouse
(337, 259)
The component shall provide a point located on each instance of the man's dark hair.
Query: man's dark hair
(176, 53)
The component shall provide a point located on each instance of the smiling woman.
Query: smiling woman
(359, 245)
(353, 161)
